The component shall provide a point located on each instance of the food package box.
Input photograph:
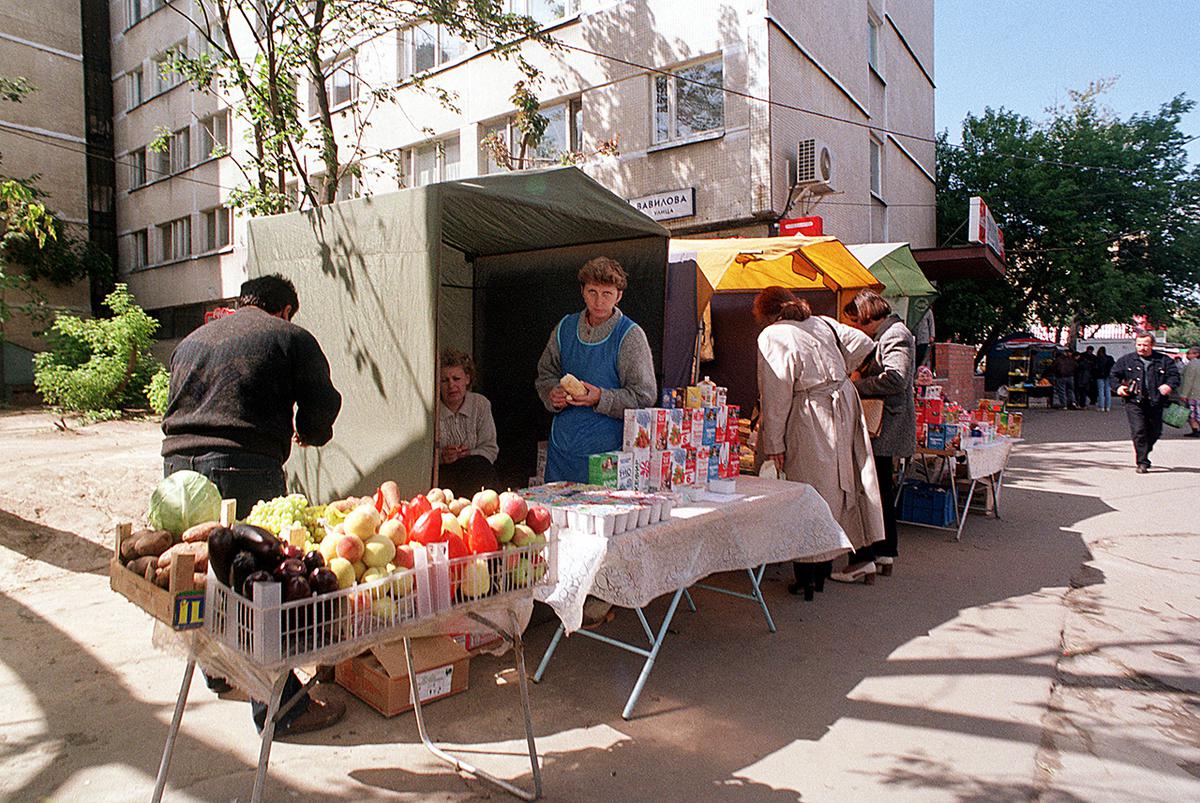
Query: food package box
(933, 392)
(379, 677)
(675, 428)
(722, 396)
(639, 426)
(722, 424)
(671, 398)
(952, 436)
(933, 411)
(660, 471)
(602, 469)
(1001, 423)
(477, 641)
(922, 434)
(660, 433)
(625, 475)
(1015, 420)
(689, 469)
(691, 397)
(696, 431)
(543, 449)
(714, 465)
(734, 422)
(991, 405)
(641, 470)
(723, 451)
(709, 437)
(935, 436)
(735, 460)
(677, 472)
(702, 456)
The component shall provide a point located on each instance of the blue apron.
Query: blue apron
(578, 432)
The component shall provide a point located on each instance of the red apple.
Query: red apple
(350, 547)
(538, 519)
(404, 557)
(487, 501)
(514, 505)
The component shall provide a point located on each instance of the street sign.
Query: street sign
(982, 227)
(812, 226)
(667, 205)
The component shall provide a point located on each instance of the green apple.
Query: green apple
(378, 551)
(344, 570)
(502, 525)
(476, 579)
(523, 535)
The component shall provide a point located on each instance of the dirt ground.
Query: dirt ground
(1050, 655)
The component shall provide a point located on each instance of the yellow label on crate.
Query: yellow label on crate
(189, 610)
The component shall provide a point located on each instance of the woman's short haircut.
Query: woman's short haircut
(270, 293)
(778, 303)
(868, 307)
(1193, 352)
(603, 271)
(453, 358)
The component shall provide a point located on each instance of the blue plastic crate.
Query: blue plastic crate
(925, 503)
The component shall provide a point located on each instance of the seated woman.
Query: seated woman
(466, 438)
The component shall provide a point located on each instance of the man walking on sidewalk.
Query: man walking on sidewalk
(1146, 379)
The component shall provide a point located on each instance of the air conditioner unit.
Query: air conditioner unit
(814, 166)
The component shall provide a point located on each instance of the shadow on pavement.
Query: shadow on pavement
(60, 548)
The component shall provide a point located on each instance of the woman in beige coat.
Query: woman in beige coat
(812, 423)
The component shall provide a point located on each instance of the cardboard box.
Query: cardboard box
(639, 429)
(709, 435)
(379, 677)
(662, 428)
(641, 470)
(675, 428)
(475, 642)
(625, 471)
(696, 429)
(678, 470)
(602, 469)
(691, 397)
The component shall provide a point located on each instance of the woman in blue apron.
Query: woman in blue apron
(609, 354)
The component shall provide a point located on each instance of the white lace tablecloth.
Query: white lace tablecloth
(986, 459)
(770, 521)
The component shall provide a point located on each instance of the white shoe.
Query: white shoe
(852, 574)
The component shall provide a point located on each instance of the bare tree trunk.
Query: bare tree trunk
(316, 74)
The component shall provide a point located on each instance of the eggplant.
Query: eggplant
(257, 576)
(292, 566)
(220, 554)
(243, 566)
(322, 580)
(266, 548)
(314, 560)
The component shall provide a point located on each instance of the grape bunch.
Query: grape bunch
(279, 514)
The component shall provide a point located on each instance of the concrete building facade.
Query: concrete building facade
(717, 107)
(44, 137)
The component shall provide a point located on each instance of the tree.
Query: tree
(1099, 216)
(291, 40)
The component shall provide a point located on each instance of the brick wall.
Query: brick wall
(956, 372)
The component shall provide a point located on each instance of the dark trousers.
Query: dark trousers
(1064, 391)
(468, 476)
(1145, 425)
(1083, 390)
(889, 547)
(247, 478)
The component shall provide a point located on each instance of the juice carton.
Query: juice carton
(933, 411)
(697, 430)
(602, 469)
(933, 392)
(722, 426)
(708, 392)
(723, 452)
(709, 437)
(935, 436)
(1015, 421)
(691, 397)
(735, 460)
(722, 396)
(625, 471)
(641, 470)
(670, 398)
(639, 429)
(678, 472)
(660, 432)
(923, 435)
(675, 428)
(1001, 424)
(689, 469)
(953, 436)
(714, 465)
(660, 471)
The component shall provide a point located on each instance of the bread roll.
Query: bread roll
(573, 386)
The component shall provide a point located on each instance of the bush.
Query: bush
(102, 365)
(157, 390)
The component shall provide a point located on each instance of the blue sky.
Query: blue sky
(1025, 55)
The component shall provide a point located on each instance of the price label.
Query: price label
(434, 683)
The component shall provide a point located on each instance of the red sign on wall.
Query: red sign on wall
(812, 226)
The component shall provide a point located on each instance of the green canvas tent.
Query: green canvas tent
(905, 286)
(485, 264)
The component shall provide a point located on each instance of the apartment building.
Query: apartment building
(44, 137)
(727, 116)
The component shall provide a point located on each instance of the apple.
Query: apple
(476, 579)
(435, 495)
(458, 505)
(360, 569)
(523, 535)
(344, 570)
(363, 521)
(401, 585)
(538, 518)
(450, 524)
(447, 495)
(328, 546)
(527, 573)
(350, 547)
(514, 505)
(488, 501)
(378, 551)
(404, 556)
(502, 525)
(393, 530)
(464, 516)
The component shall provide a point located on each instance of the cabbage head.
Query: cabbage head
(183, 500)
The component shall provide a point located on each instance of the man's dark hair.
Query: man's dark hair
(269, 293)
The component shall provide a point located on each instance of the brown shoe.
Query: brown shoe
(320, 714)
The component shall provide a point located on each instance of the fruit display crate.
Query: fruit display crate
(180, 605)
(270, 633)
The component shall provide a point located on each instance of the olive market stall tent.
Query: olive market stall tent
(487, 265)
(904, 285)
(732, 271)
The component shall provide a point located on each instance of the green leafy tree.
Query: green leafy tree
(1099, 216)
(99, 366)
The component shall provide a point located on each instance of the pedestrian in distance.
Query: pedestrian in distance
(1189, 390)
(1063, 371)
(1085, 363)
(243, 389)
(1104, 366)
(1146, 379)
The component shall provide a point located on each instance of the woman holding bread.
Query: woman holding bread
(596, 364)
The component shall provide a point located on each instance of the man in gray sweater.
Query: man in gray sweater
(610, 356)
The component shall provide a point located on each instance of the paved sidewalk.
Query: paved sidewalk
(1051, 655)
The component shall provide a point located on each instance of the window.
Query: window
(137, 168)
(347, 188)
(689, 102)
(873, 43)
(179, 151)
(213, 44)
(876, 167)
(136, 88)
(426, 46)
(137, 250)
(433, 162)
(217, 228)
(164, 76)
(214, 135)
(544, 12)
(138, 10)
(341, 85)
(175, 240)
(563, 134)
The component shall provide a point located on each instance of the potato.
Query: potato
(199, 549)
(199, 581)
(162, 578)
(150, 542)
(200, 532)
(151, 572)
(138, 565)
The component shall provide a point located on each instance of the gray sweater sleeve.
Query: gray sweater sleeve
(549, 370)
(635, 368)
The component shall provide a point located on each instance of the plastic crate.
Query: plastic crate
(270, 633)
(925, 503)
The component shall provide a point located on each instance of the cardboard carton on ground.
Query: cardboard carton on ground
(379, 677)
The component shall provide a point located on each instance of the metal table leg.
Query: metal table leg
(662, 634)
(519, 650)
(755, 595)
(541, 670)
(160, 783)
(962, 518)
(268, 734)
